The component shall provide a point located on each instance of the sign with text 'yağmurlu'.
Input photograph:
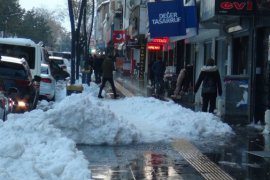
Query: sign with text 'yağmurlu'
(166, 18)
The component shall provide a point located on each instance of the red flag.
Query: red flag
(119, 36)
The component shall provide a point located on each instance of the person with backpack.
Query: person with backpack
(211, 85)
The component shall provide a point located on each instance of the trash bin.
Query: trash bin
(236, 99)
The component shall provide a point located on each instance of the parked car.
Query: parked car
(57, 72)
(3, 106)
(15, 74)
(59, 60)
(47, 83)
(6, 104)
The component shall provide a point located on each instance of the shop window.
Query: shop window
(240, 56)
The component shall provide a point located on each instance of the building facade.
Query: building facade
(235, 33)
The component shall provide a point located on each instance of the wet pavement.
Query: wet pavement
(233, 155)
(163, 161)
(145, 161)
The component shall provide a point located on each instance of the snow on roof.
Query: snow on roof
(18, 41)
(12, 59)
(56, 58)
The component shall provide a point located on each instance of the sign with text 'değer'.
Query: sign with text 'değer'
(166, 18)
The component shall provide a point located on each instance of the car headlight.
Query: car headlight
(22, 104)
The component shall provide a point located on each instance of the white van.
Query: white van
(23, 48)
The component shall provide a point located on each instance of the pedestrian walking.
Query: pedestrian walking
(97, 66)
(107, 75)
(184, 81)
(158, 70)
(211, 85)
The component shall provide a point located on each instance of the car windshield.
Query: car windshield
(12, 70)
(28, 53)
(44, 70)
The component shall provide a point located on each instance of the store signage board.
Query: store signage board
(166, 18)
(235, 7)
(119, 36)
(164, 40)
(153, 47)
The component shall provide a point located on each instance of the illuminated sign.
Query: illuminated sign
(153, 47)
(164, 40)
(234, 7)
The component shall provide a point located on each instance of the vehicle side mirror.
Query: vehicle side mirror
(37, 78)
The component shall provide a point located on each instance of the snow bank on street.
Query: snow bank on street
(89, 120)
(40, 144)
(33, 149)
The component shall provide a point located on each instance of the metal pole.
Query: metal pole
(252, 83)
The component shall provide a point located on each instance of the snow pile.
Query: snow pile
(164, 121)
(32, 149)
(83, 118)
(89, 120)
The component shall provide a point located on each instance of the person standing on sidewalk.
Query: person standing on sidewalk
(159, 70)
(211, 85)
(184, 81)
(107, 75)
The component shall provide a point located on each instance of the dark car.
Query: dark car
(15, 74)
(57, 72)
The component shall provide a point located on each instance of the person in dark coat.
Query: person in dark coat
(211, 85)
(158, 69)
(97, 66)
(107, 75)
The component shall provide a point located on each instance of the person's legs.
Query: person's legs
(101, 87)
(212, 99)
(89, 78)
(113, 87)
(96, 76)
(205, 99)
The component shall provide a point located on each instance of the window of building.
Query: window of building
(240, 56)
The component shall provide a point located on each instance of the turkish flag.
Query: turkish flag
(119, 36)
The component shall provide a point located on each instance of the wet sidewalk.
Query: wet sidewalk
(248, 152)
(246, 156)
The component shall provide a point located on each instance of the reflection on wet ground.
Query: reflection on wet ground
(235, 159)
(162, 161)
(148, 161)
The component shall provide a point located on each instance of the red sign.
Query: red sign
(235, 7)
(164, 40)
(153, 47)
(119, 36)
